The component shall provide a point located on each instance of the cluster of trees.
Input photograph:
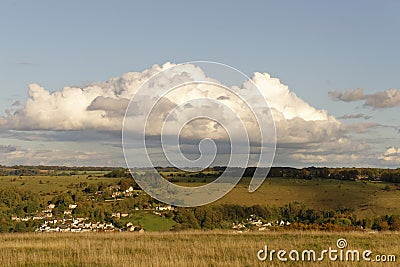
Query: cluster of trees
(25, 171)
(17, 202)
(300, 217)
(46, 170)
(22, 204)
(118, 173)
(387, 175)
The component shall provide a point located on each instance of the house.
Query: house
(362, 177)
(116, 214)
(256, 223)
(130, 227)
(65, 228)
(68, 212)
(72, 206)
(51, 206)
(164, 208)
(57, 229)
(116, 194)
(109, 225)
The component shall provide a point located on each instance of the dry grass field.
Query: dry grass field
(183, 248)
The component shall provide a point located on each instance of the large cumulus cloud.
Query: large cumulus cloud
(311, 134)
(96, 106)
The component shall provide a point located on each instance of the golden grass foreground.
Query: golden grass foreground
(194, 248)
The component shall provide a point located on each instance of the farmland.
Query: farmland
(48, 186)
(159, 246)
(366, 198)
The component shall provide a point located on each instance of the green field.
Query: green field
(151, 222)
(215, 248)
(48, 186)
(366, 198)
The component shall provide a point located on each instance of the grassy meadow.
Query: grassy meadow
(150, 221)
(49, 186)
(160, 247)
(365, 197)
(215, 248)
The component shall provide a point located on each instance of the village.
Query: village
(255, 223)
(68, 222)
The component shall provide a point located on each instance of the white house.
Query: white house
(72, 206)
(164, 208)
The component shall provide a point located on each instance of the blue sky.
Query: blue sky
(314, 47)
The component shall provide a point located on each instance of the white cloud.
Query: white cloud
(96, 106)
(355, 116)
(59, 157)
(312, 134)
(391, 156)
(348, 95)
(385, 99)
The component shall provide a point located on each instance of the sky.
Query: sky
(335, 58)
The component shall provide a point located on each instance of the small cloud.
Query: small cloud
(16, 103)
(385, 99)
(355, 116)
(348, 95)
(391, 156)
(7, 149)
